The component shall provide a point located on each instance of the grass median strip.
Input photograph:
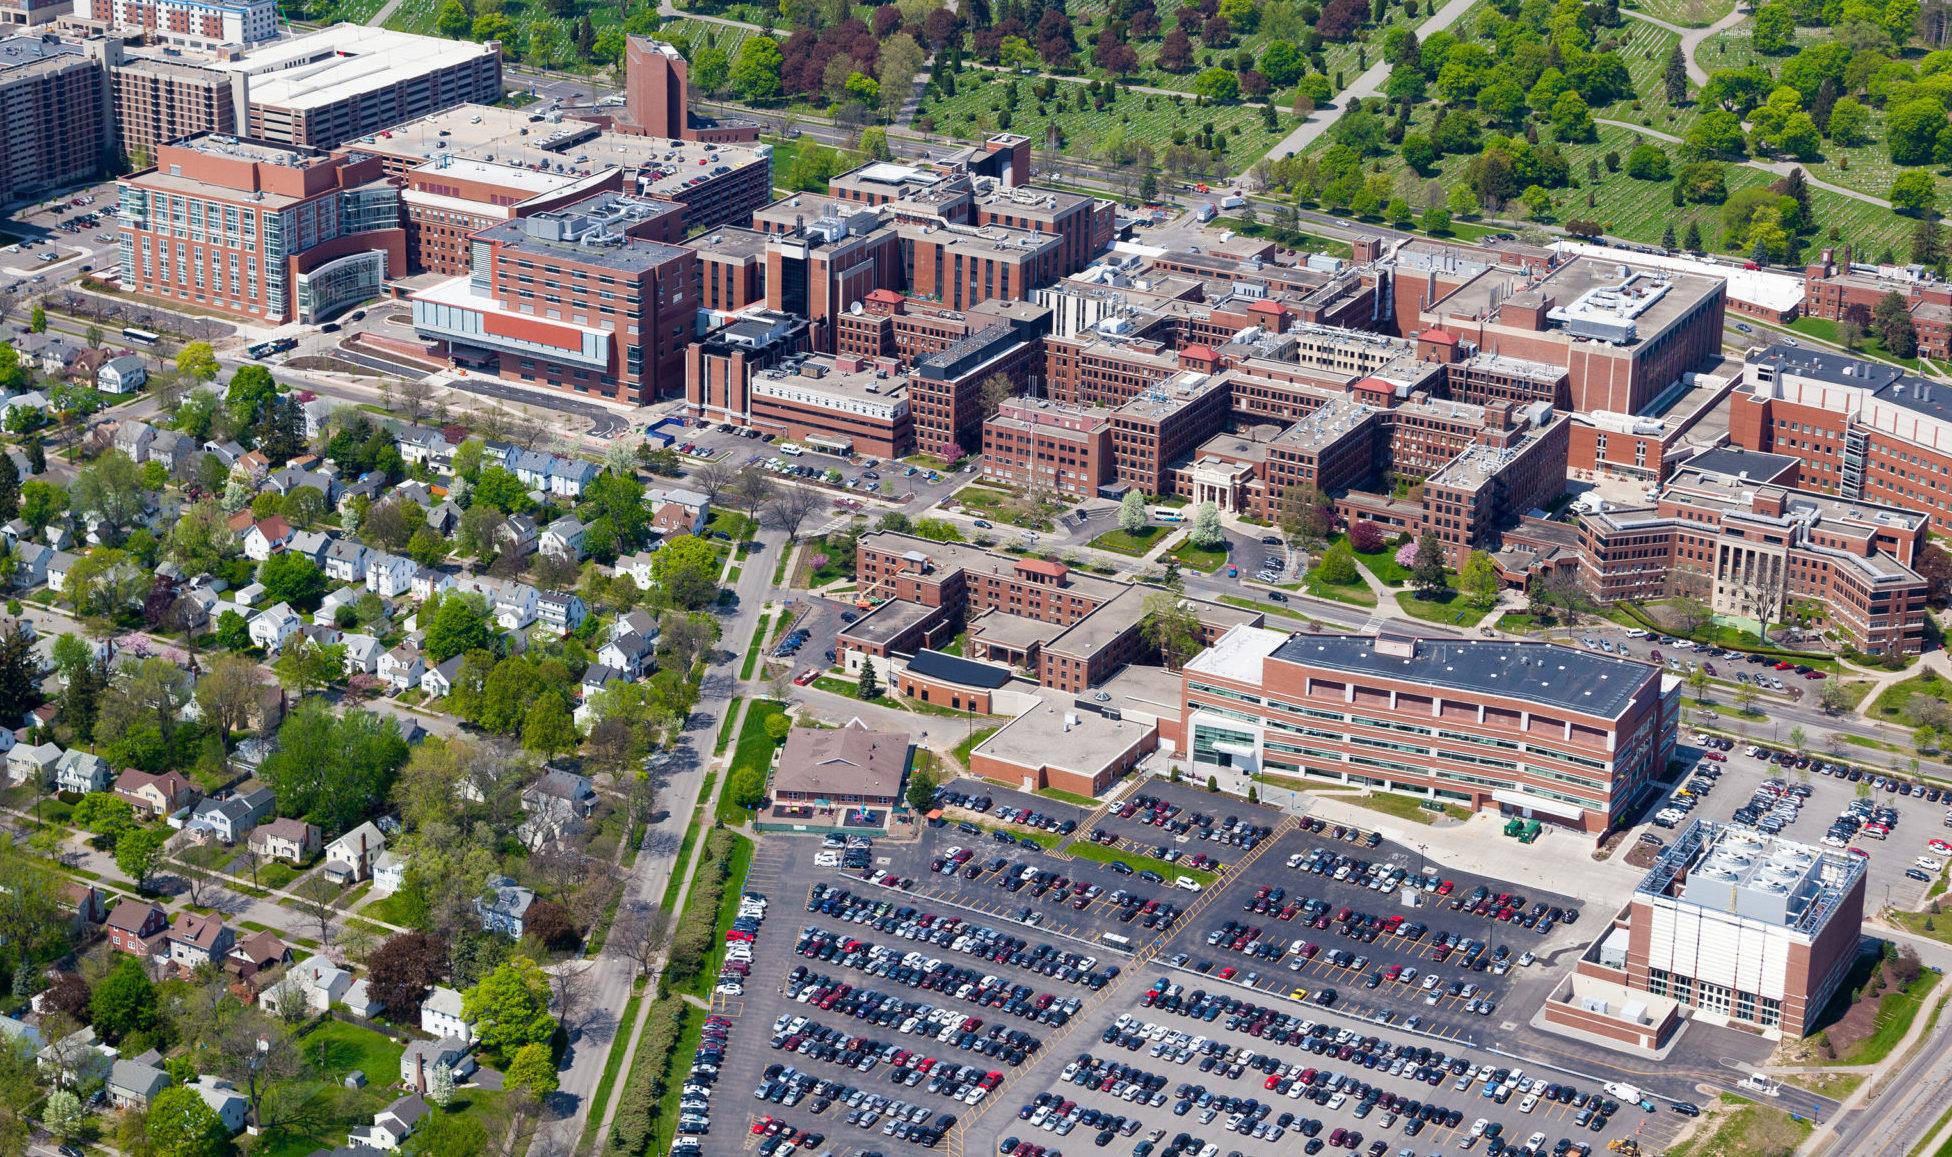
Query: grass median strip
(725, 725)
(1086, 850)
(752, 648)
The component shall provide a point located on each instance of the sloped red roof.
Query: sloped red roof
(1440, 336)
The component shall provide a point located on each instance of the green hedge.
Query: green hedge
(650, 1074)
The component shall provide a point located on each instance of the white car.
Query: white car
(1929, 864)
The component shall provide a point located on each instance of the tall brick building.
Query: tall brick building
(159, 100)
(574, 299)
(1728, 528)
(56, 127)
(268, 232)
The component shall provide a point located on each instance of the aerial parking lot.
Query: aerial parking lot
(1327, 991)
(1889, 820)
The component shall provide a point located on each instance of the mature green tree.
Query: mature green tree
(233, 631)
(1338, 566)
(9, 487)
(755, 75)
(461, 624)
(290, 577)
(139, 853)
(111, 488)
(182, 1124)
(1171, 627)
(1427, 570)
(510, 1008)
(332, 770)
(532, 1069)
(197, 362)
(124, 1001)
(547, 728)
(686, 572)
(1478, 580)
(20, 675)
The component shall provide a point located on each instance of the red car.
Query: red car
(805, 677)
(1227, 973)
(1714, 757)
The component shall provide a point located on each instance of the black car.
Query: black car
(1686, 1108)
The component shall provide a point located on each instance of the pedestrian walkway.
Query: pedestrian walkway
(1693, 38)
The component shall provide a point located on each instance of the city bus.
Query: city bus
(141, 336)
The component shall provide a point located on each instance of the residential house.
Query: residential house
(503, 906)
(630, 654)
(443, 518)
(421, 1057)
(76, 1060)
(362, 654)
(79, 771)
(392, 1125)
(32, 762)
(252, 466)
(314, 983)
(13, 1030)
(285, 839)
(310, 545)
(197, 940)
(516, 535)
(561, 611)
(563, 538)
(428, 582)
(438, 681)
(58, 566)
(175, 450)
(552, 474)
(84, 901)
(402, 667)
(121, 375)
(677, 511)
(228, 452)
(597, 676)
(371, 486)
(317, 414)
(228, 820)
(638, 567)
(345, 561)
(291, 478)
(320, 634)
(359, 1000)
(134, 925)
(350, 858)
(389, 873)
(52, 352)
(131, 1084)
(29, 400)
(31, 563)
(419, 444)
(134, 439)
(248, 594)
(554, 804)
(389, 575)
(271, 627)
(156, 795)
(258, 952)
(267, 536)
(441, 1015)
(223, 1099)
(346, 598)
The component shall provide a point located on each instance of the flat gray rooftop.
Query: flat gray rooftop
(1062, 736)
(1588, 682)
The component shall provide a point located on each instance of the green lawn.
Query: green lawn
(1448, 608)
(277, 874)
(1383, 565)
(1686, 13)
(752, 648)
(670, 896)
(1405, 807)
(1086, 850)
(1279, 610)
(1895, 1012)
(1355, 594)
(980, 109)
(392, 909)
(1823, 329)
(971, 742)
(725, 725)
(1004, 506)
(1135, 543)
(1083, 801)
(1893, 703)
(336, 1048)
(1198, 558)
(754, 749)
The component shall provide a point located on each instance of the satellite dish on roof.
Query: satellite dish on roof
(855, 309)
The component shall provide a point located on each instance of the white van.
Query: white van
(790, 450)
(1187, 883)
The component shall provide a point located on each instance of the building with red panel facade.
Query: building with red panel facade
(573, 299)
(1729, 529)
(268, 232)
(1048, 446)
